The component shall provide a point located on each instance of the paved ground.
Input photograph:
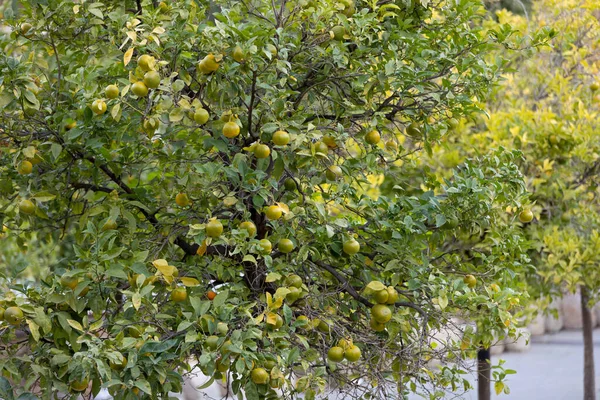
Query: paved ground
(551, 370)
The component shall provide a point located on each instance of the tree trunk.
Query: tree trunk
(483, 374)
(589, 383)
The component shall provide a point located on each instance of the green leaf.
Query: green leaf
(157, 347)
(144, 386)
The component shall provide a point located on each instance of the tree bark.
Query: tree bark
(484, 374)
(589, 383)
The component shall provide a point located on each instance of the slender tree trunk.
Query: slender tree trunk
(484, 374)
(589, 383)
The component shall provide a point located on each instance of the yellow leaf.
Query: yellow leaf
(34, 329)
(259, 318)
(229, 201)
(284, 207)
(277, 303)
(159, 30)
(127, 56)
(136, 300)
(132, 35)
(190, 282)
(160, 262)
(272, 318)
(498, 387)
(75, 9)
(167, 270)
(201, 249)
(269, 299)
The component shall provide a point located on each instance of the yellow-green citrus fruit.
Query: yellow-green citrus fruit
(262, 151)
(351, 247)
(494, 287)
(146, 62)
(25, 168)
(470, 281)
(139, 89)
(259, 376)
(293, 295)
(281, 138)
(352, 353)
(238, 54)
(26, 207)
(289, 184)
(265, 245)
(119, 365)
(182, 200)
(222, 364)
(25, 27)
(179, 294)
(13, 315)
(79, 385)
(294, 280)
(526, 216)
(337, 32)
(333, 172)
(212, 342)
(285, 246)
(303, 322)
(111, 91)
(69, 281)
(201, 116)
(391, 145)
(222, 328)
(373, 137)
(381, 296)
(231, 129)
(208, 65)
(274, 212)
(593, 87)
(329, 141)
(323, 326)
(335, 354)
(214, 228)
(99, 107)
(321, 147)
(452, 123)
(413, 130)
(392, 295)
(381, 313)
(152, 79)
(376, 326)
(249, 227)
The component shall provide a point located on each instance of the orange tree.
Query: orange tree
(548, 109)
(207, 175)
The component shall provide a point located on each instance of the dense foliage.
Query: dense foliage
(239, 185)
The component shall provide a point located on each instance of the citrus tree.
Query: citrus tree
(237, 186)
(548, 109)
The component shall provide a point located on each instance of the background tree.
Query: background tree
(210, 180)
(548, 109)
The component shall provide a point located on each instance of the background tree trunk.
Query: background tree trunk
(589, 384)
(483, 374)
